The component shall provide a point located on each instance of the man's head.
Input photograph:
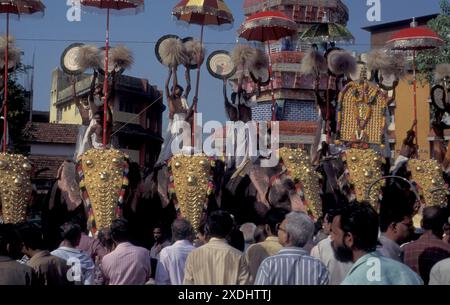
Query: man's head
(98, 117)
(182, 230)
(396, 222)
(159, 233)
(119, 231)
(433, 220)
(10, 242)
(296, 230)
(248, 229)
(71, 234)
(219, 224)
(178, 91)
(32, 238)
(273, 218)
(354, 229)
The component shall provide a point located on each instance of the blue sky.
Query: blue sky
(49, 36)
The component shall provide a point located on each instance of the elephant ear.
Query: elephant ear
(260, 177)
(163, 186)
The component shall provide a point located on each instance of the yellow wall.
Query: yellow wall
(69, 114)
(404, 114)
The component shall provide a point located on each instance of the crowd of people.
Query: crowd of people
(355, 245)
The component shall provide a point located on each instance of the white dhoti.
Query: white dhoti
(173, 128)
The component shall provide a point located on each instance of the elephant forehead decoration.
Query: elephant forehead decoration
(299, 167)
(364, 166)
(15, 189)
(428, 175)
(104, 178)
(192, 181)
(362, 116)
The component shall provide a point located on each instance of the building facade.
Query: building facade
(295, 100)
(137, 113)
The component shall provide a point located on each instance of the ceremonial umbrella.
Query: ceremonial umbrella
(133, 6)
(327, 32)
(213, 13)
(265, 27)
(415, 39)
(15, 7)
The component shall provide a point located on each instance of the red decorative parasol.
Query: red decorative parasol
(213, 13)
(135, 6)
(265, 27)
(15, 7)
(415, 39)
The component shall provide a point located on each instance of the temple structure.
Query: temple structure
(294, 94)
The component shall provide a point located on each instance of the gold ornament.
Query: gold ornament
(362, 116)
(364, 167)
(15, 188)
(301, 170)
(191, 177)
(103, 179)
(428, 175)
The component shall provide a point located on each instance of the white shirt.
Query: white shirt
(324, 252)
(172, 260)
(73, 256)
(440, 273)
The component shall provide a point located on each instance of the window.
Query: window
(58, 114)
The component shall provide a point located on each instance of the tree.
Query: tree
(17, 114)
(427, 60)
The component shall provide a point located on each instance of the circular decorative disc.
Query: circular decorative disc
(69, 59)
(438, 97)
(220, 65)
(158, 45)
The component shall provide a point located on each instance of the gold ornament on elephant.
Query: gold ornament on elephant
(15, 188)
(362, 115)
(428, 175)
(103, 176)
(299, 166)
(191, 178)
(364, 166)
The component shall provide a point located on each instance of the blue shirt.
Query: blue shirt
(292, 266)
(375, 269)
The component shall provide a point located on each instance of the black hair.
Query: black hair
(178, 87)
(219, 224)
(32, 236)
(274, 217)
(120, 230)
(10, 241)
(100, 113)
(361, 220)
(71, 233)
(395, 206)
(82, 221)
(434, 218)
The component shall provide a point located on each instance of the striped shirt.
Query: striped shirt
(292, 266)
(216, 263)
(172, 259)
(127, 265)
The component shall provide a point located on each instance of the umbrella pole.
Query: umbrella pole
(274, 117)
(5, 89)
(197, 87)
(105, 81)
(415, 95)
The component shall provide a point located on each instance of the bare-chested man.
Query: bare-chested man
(179, 112)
